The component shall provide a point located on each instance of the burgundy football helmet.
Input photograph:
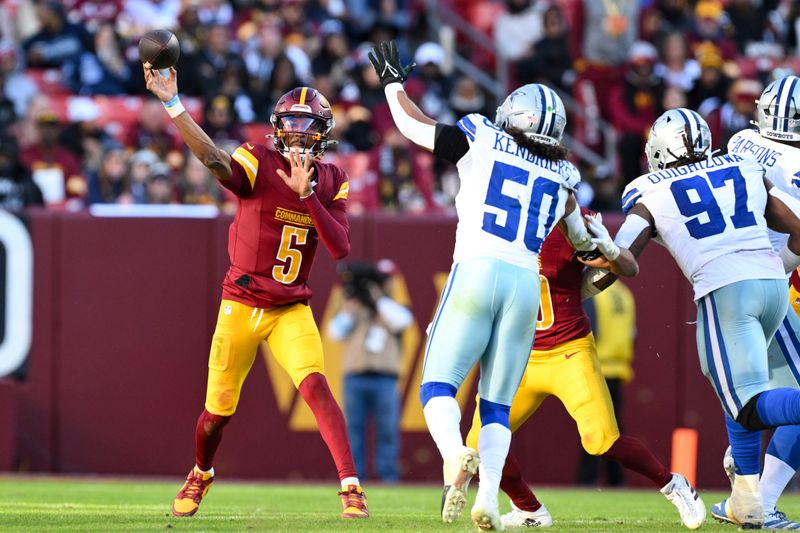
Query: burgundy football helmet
(302, 117)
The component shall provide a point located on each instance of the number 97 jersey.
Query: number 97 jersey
(509, 199)
(710, 216)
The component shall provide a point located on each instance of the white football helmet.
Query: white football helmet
(536, 111)
(779, 110)
(677, 134)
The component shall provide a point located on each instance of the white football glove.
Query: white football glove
(601, 238)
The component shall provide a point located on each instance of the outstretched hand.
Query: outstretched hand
(164, 88)
(386, 61)
(300, 179)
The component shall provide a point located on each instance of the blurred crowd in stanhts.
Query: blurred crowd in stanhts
(77, 126)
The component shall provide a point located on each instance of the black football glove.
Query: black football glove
(386, 61)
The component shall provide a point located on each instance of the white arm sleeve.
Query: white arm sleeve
(790, 201)
(417, 132)
(578, 235)
(633, 226)
(396, 316)
(590, 277)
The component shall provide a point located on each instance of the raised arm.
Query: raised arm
(409, 119)
(573, 227)
(200, 144)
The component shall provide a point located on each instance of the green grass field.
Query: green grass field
(89, 504)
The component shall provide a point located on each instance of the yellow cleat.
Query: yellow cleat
(191, 494)
(354, 502)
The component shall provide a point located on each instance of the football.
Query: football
(159, 49)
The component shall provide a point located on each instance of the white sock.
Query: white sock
(204, 471)
(774, 478)
(443, 416)
(493, 444)
(350, 481)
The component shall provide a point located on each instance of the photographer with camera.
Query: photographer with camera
(370, 324)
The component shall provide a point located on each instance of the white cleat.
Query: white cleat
(486, 513)
(518, 518)
(685, 498)
(777, 521)
(458, 472)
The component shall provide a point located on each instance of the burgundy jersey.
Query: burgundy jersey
(561, 315)
(272, 240)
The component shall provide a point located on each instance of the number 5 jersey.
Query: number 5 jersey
(272, 240)
(710, 216)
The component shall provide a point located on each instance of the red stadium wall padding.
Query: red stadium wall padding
(125, 310)
(8, 413)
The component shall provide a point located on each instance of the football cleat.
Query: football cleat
(729, 465)
(195, 487)
(458, 471)
(518, 518)
(354, 502)
(723, 512)
(685, 498)
(777, 521)
(486, 513)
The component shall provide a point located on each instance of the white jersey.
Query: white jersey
(710, 216)
(509, 199)
(782, 163)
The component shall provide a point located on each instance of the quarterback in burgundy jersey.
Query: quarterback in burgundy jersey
(564, 363)
(288, 201)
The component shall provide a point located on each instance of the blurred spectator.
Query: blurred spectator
(16, 85)
(84, 136)
(551, 62)
(436, 86)
(604, 33)
(364, 15)
(711, 28)
(152, 130)
(676, 67)
(58, 42)
(159, 185)
(638, 102)
(103, 72)
(736, 113)
(197, 184)
(296, 27)
(712, 86)
(676, 15)
(211, 12)
(468, 97)
(332, 62)
(55, 169)
(613, 317)
(748, 21)
(674, 97)
(201, 69)
(370, 323)
(17, 189)
(141, 163)
(140, 16)
(110, 183)
(517, 28)
(91, 14)
(221, 122)
(231, 87)
(404, 174)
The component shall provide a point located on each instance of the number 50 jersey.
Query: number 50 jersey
(710, 216)
(509, 199)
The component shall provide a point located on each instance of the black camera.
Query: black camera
(356, 280)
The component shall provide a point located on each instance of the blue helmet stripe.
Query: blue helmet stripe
(788, 104)
(552, 114)
(778, 95)
(540, 126)
(688, 123)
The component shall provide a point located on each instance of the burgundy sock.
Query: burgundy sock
(516, 488)
(634, 455)
(316, 393)
(207, 435)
